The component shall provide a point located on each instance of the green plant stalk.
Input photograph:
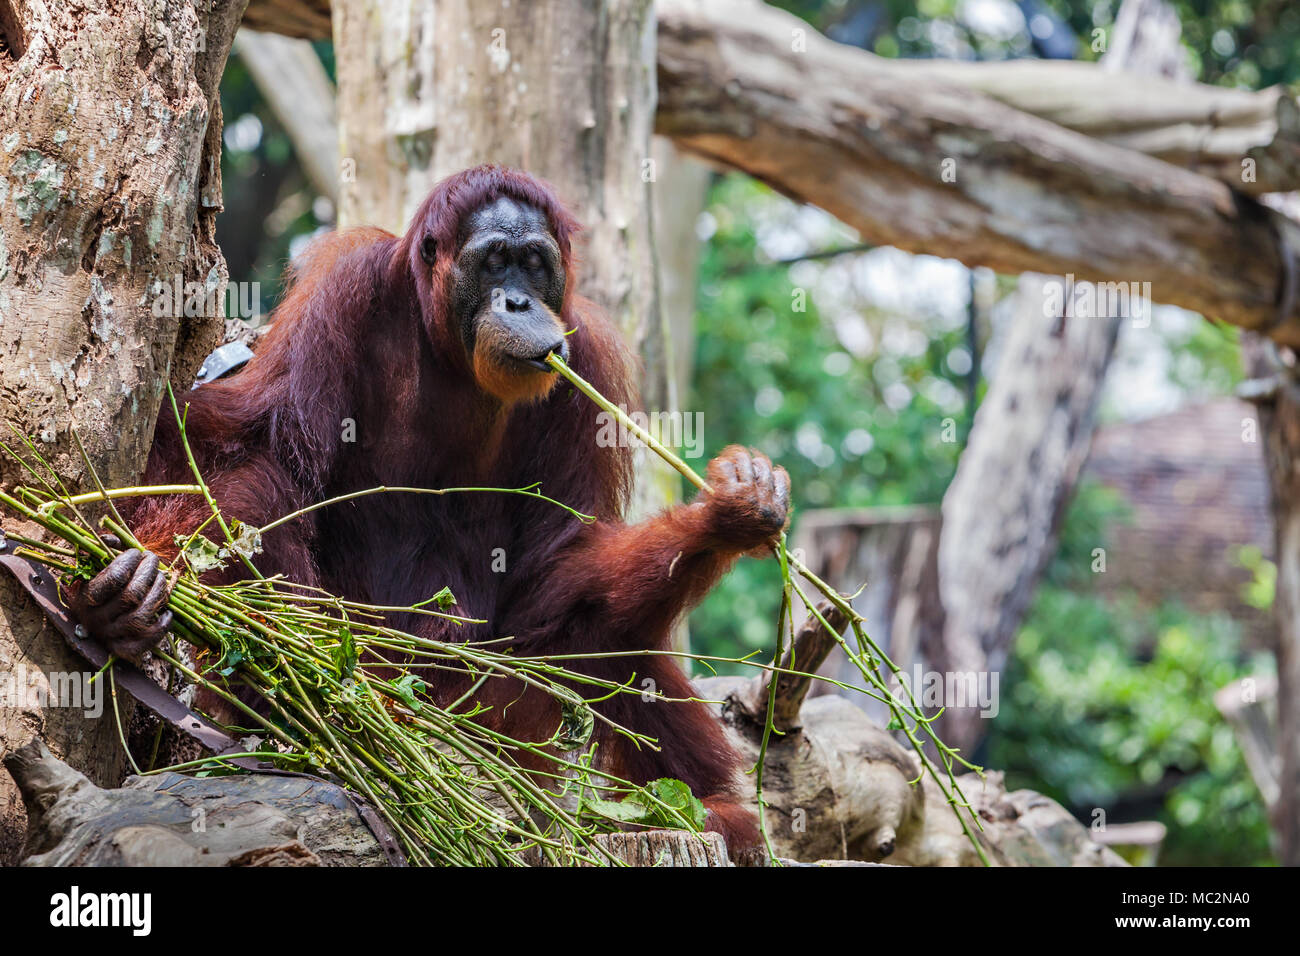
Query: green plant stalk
(784, 617)
(952, 791)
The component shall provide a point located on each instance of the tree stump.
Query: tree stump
(666, 848)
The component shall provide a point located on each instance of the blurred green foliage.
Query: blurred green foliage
(1260, 591)
(1109, 704)
(780, 380)
(1248, 43)
(1207, 360)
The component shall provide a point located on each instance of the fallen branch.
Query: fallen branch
(811, 645)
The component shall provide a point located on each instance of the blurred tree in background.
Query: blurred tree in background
(271, 211)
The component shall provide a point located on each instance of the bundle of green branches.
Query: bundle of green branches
(344, 696)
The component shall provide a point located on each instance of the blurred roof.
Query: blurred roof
(1198, 490)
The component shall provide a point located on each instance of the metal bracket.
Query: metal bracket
(222, 361)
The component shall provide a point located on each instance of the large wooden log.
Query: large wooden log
(175, 820)
(1248, 139)
(840, 787)
(942, 169)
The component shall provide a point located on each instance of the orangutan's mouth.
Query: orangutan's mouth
(539, 361)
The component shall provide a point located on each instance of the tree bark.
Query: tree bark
(1014, 481)
(565, 91)
(1207, 129)
(110, 183)
(177, 820)
(1279, 428)
(661, 848)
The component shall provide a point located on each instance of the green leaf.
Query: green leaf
(409, 689)
(345, 655)
(200, 553)
(678, 795)
(645, 807)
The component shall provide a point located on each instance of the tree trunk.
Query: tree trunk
(1018, 473)
(955, 609)
(1013, 483)
(681, 184)
(110, 183)
(1279, 426)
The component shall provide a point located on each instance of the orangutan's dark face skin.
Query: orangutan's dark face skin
(508, 291)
